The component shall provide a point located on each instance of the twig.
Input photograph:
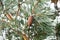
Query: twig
(34, 7)
(18, 8)
(1, 3)
(19, 33)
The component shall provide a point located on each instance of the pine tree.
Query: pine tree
(26, 19)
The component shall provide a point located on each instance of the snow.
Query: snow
(50, 38)
(2, 15)
(1, 38)
(52, 7)
(58, 4)
(18, 18)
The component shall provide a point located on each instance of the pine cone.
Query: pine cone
(9, 16)
(30, 20)
(25, 37)
(54, 1)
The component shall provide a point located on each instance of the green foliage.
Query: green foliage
(41, 27)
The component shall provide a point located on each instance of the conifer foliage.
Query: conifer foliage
(25, 19)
